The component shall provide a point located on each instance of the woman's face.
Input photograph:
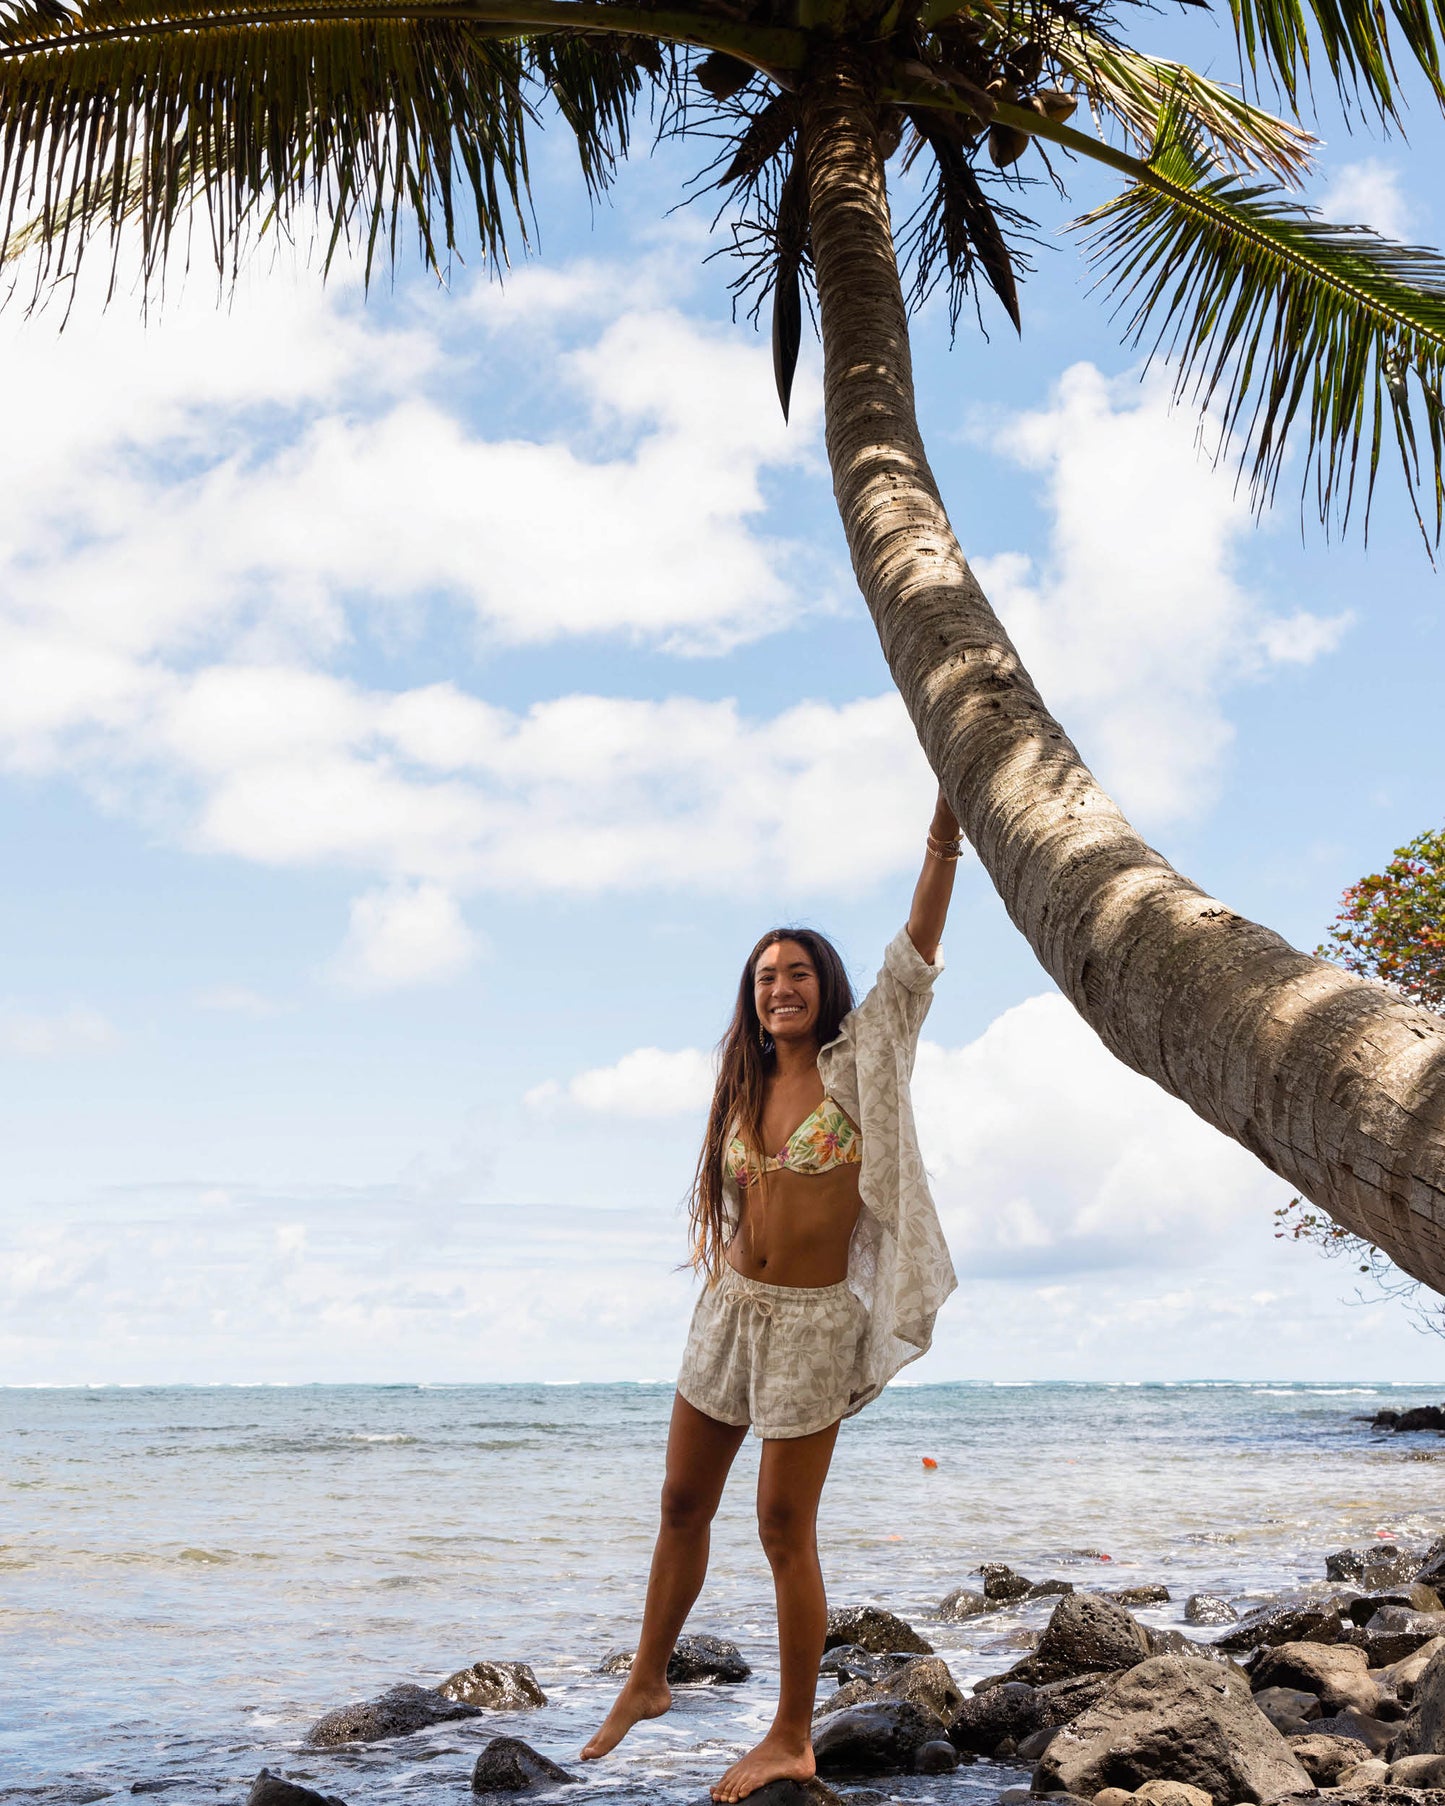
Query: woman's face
(785, 990)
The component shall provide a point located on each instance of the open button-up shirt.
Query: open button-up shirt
(898, 1263)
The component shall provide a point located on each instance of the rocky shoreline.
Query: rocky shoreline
(1335, 1695)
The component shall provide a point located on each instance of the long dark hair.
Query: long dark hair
(745, 1059)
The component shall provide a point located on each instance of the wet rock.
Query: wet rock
(270, 1789)
(1423, 1732)
(1174, 1642)
(1394, 1632)
(1374, 1569)
(705, 1659)
(396, 1713)
(1419, 1417)
(1325, 1758)
(1006, 1713)
(871, 1628)
(1209, 1608)
(498, 1686)
(507, 1765)
(878, 1739)
(925, 1681)
(1404, 1618)
(1034, 1745)
(961, 1603)
(1336, 1673)
(1086, 1634)
(807, 1793)
(1288, 1709)
(1359, 1608)
(1385, 1648)
(1174, 1718)
(936, 1758)
(1424, 1598)
(1298, 1619)
(1046, 1589)
(1145, 1595)
(1431, 1572)
(1002, 1583)
(1401, 1678)
(1418, 1771)
(693, 1659)
(850, 1663)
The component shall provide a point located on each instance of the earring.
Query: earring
(762, 1038)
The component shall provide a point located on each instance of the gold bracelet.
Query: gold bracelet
(946, 850)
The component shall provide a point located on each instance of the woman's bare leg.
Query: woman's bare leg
(700, 1452)
(790, 1483)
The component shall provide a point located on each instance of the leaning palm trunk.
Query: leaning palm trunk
(1331, 1081)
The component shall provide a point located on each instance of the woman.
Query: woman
(825, 1269)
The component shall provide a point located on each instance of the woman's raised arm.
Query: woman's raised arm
(935, 883)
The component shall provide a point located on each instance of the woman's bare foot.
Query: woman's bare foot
(776, 1758)
(634, 1702)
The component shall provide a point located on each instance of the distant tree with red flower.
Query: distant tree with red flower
(1391, 927)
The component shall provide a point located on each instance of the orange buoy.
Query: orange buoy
(928, 1461)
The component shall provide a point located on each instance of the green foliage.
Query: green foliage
(397, 122)
(1361, 46)
(1391, 925)
(1282, 320)
(377, 122)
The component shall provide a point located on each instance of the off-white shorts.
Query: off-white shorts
(780, 1358)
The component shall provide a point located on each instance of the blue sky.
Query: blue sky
(415, 706)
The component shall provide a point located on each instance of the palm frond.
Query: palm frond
(1280, 317)
(116, 110)
(791, 238)
(1358, 44)
(957, 230)
(1131, 88)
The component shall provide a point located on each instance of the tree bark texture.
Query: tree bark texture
(1333, 1082)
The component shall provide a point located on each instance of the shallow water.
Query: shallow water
(190, 1577)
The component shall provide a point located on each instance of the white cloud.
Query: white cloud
(1135, 623)
(211, 509)
(1368, 193)
(1301, 638)
(27, 1035)
(404, 935)
(255, 477)
(645, 1082)
(1050, 1157)
(236, 1000)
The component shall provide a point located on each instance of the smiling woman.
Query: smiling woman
(825, 1268)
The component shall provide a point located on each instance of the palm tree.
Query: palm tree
(386, 116)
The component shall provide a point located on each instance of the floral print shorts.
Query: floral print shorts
(781, 1358)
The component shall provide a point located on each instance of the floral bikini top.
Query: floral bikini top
(820, 1142)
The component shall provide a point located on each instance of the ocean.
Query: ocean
(189, 1577)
